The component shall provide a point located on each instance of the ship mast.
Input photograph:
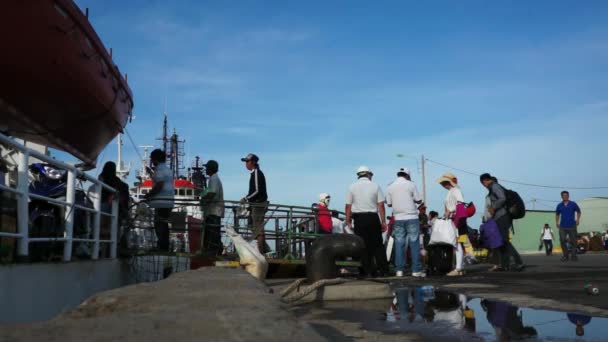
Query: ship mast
(197, 177)
(121, 171)
(143, 173)
(173, 148)
(165, 140)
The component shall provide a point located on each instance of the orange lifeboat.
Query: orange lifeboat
(59, 85)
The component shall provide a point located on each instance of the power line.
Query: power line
(520, 183)
(546, 200)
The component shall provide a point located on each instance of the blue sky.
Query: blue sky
(515, 88)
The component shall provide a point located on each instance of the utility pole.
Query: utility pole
(423, 181)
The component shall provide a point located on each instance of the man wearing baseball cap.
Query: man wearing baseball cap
(212, 203)
(402, 195)
(365, 205)
(257, 199)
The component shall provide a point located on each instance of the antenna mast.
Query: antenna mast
(121, 170)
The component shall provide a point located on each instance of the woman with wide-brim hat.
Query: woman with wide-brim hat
(453, 198)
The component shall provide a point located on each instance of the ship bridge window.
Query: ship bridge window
(189, 192)
(175, 191)
(182, 192)
(144, 191)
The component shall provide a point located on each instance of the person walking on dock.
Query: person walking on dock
(257, 197)
(161, 197)
(453, 199)
(402, 195)
(499, 212)
(546, 236)
(567, 224)
(212, 204)
(365, 206)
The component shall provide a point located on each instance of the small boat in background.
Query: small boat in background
(59, 85)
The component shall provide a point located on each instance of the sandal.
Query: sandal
(455, 273)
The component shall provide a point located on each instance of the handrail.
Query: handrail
(290, 227)
(23, 197)
(33, 153)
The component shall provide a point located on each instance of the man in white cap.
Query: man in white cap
(402, 195)
(365, 204)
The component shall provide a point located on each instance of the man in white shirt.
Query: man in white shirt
(402, 195)
(365, 205)
(160, 197)
(212, 203)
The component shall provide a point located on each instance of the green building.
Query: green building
(594, 214)
(528, 229)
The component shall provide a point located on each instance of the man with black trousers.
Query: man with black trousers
(499, 212)
(161, 196)
(257, 197)
(365, 205)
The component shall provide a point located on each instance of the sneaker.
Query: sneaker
(419, 274)
(564, 258)
(399, 274)
(518, 267)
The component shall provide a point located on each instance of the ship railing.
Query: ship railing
(288, 229)
(76, 180)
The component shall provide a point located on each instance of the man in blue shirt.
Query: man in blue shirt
(566, 223)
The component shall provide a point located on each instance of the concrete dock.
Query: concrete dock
(209, 304)
(229, 304)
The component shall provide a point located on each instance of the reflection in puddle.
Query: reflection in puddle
(492, 319)
(441, 315)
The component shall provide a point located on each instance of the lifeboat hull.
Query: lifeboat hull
(59, 85)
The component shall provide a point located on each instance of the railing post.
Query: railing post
(70, 198)
(96, 219)
(114, 228)
(22, 204)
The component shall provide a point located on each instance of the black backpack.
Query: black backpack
(515, 204)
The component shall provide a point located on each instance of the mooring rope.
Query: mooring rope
(304, 291)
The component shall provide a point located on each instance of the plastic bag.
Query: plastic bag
(242, 210)
(338, 226)
(250, 257)
(489, 235)
(444, 232)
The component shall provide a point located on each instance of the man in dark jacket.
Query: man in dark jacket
(257, 198)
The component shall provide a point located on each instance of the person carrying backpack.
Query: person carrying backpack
(500, 212)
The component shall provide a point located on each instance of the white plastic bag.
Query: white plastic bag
(444, 232)
(250, 257)
(389, 247)
(339, 227)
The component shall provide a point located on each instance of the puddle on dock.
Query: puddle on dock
(442, 315)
